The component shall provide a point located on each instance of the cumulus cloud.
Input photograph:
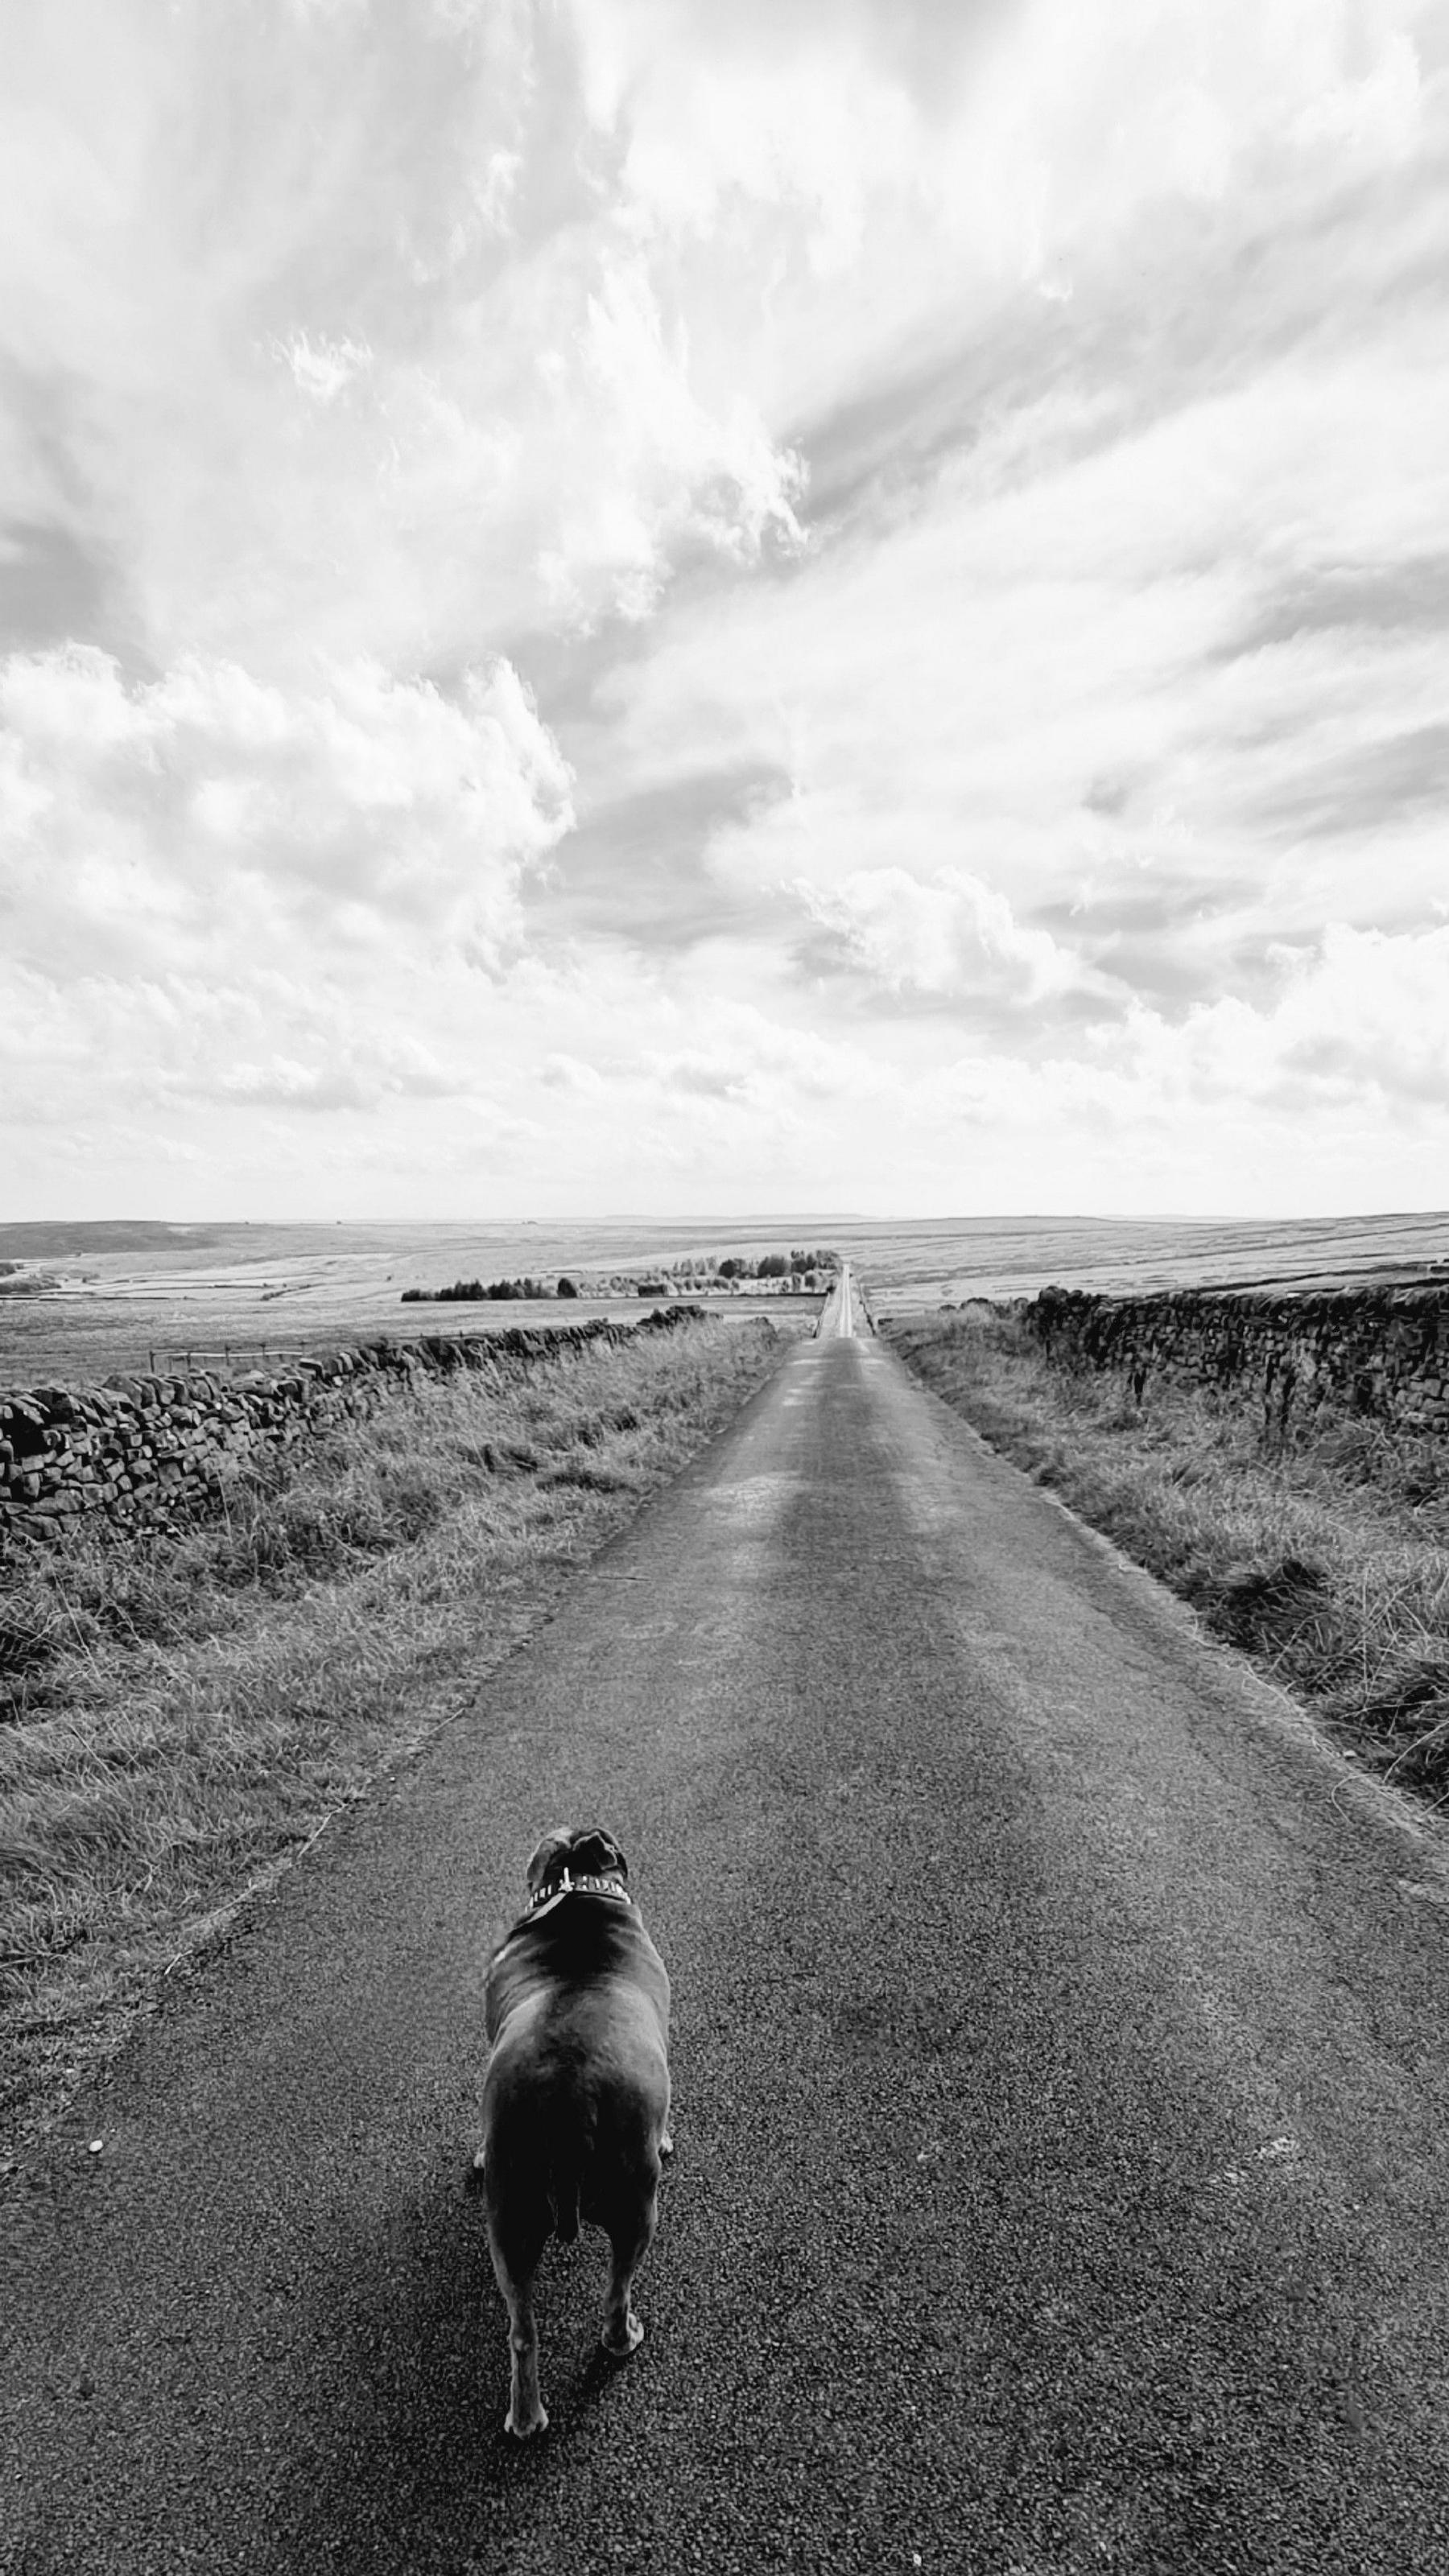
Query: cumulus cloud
(1363, 1014)
(170, 811)
(951, 936)
(220, 892)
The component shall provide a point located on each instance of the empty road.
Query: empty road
(1061, 2095)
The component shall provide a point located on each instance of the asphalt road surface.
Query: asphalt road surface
(1061, 2095)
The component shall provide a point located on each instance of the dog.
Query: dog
(576, 2092)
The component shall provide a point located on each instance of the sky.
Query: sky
(633, 606)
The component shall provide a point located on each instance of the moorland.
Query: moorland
(84, 1299)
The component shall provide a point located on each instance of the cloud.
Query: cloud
(220, 894)
(254, 1036)
(952, 937)
(341, 1063)
(1037, 678)
(661, 468)
(284, 1083)
(174, 812)
(741, 1056)
(1376, 783)
(1365, 1013)
(326, 370)
(318, 324)
(563, 1072)
(1333, 598)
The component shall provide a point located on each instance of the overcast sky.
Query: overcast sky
(648, 605)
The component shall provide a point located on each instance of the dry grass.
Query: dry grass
(1327, 1561)
(185, 1714)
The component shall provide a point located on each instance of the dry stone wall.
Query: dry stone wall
(1377, 1352)
(140, 1449)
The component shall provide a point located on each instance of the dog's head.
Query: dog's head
(585, 1851)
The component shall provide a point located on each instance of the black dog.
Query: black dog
(576, 2095)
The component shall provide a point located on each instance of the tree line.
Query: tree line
(808, 1269)
(472, 1292)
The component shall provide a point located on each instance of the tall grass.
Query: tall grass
(1326, 1559)
(178, 1716)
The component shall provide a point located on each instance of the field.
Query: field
(907, 1268)
(117, 1297)
(138, 1295)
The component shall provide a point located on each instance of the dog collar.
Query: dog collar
(566, 1884)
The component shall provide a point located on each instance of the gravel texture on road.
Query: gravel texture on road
(1060, 2096)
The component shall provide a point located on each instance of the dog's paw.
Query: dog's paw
(632, 2339)
(473, 2178)
(666, 2148)
(536, 2424)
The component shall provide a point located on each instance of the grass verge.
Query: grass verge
(1326, 1561)
(180, 1716)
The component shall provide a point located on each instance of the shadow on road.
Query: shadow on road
(409, 2464)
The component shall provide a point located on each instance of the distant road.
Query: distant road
(1062, 2096)
(842, 1312)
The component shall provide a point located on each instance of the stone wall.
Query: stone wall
(140, 1449)
(1376, 1352)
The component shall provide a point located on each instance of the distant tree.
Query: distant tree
(464, 1292)
(773, 1266)
(566, 1288)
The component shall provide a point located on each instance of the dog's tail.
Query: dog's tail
(573, 2142)
(563, 2200)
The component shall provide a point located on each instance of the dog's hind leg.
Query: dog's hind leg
(516, 2253)
(631, 2233)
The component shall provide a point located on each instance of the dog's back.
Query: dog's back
(576, 2096)
(579, 1941)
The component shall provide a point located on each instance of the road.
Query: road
(841, 1316)
(1061, 2095)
